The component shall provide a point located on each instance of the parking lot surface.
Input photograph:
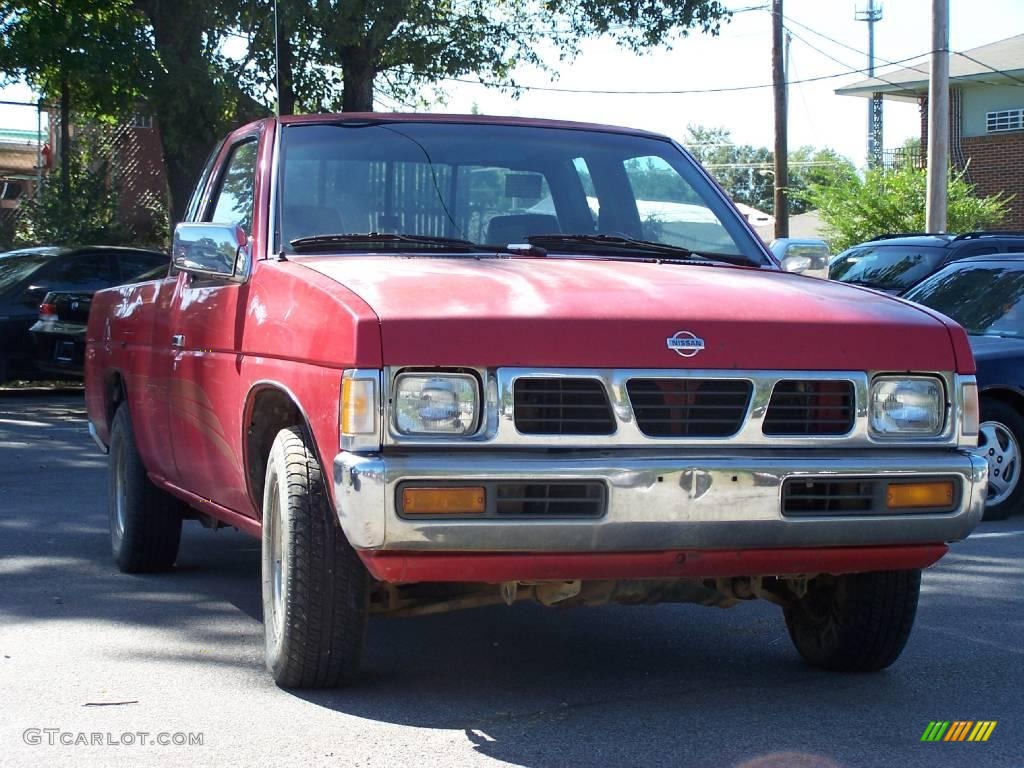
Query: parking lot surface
(90, 655)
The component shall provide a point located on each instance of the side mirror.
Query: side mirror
(795, 263)
(212, 250)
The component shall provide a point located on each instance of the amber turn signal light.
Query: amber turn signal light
(911, 495)
(444, 501)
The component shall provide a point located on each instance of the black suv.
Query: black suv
(894, 263)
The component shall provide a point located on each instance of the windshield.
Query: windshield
(888, 267)
(493, 185)
(985, 299)
(15, 266)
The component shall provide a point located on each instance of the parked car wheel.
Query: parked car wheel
(999, 442)
(315, 588)
(857, 622)
(145, 522)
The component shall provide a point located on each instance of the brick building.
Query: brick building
(986, 87)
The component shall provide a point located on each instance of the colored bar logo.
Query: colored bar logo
(958, 730)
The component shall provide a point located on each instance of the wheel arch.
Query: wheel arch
(270, 406)
(115, 392)
(1009, 395)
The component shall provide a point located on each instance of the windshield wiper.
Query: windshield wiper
(322, 242)
(620, 243)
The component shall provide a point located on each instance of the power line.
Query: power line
(668, 92)
(837, 61)
(850, 47)
(990, 67)
(917, 69)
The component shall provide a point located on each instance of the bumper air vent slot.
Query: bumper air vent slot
(829, 497)
(580, 499)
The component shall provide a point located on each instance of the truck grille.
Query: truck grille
(812, 407)
(562, 407)
(827, 497)
(689, 407)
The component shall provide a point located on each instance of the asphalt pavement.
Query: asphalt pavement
(96, 666)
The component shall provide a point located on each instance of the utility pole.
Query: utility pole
(872, 14)
(781, 139)
(938, 119)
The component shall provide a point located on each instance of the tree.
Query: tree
(855, 209)
(810, 165)
(745, 171)
(402, 45)
(194, 95)
(88, 215)
(741, 169)
(90, 55)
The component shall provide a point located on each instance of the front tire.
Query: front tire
(1000, 438)
(315, 588)
(145, 522)
(858, 622)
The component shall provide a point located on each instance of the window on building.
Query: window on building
(1004, 120)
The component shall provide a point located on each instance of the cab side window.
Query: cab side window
(196, 202)
(235, 200)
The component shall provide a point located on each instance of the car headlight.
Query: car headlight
(436, 403)
(907, 405)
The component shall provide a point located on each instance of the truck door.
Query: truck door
(206, 330)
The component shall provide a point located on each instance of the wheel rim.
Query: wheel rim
(998, 446)
(276, 570)
(120, 502)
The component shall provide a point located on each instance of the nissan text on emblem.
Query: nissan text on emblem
(685, 343)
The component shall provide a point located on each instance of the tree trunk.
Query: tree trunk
(285, 63)
(358, 74)
(188, 104)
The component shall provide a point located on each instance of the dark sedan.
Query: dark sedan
(59, 333)
(985, 295)
(27, 275)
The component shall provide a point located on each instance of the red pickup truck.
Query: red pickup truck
(439, 362)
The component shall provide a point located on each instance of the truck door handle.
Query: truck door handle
(178, 340)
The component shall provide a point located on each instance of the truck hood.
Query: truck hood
(573, 313)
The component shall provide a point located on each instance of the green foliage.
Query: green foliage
(108, 55)
(97, 51)
(653, 179)
(338, 51)
(741, 169)
(88, 217)
(809, 166)
(855, 209)
(745, 172)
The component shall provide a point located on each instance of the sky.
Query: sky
(739, 56)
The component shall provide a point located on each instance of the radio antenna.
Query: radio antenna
(277, 67)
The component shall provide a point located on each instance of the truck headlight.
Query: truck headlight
(436, 403)
(907, 405)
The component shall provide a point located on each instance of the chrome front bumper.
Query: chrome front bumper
(656, 501)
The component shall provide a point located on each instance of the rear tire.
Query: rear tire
(145, 522)
(315, 588)
(857, 622)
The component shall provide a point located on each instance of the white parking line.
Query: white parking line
(995, 534)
